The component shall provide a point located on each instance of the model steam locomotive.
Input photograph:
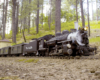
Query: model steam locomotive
(66, 43)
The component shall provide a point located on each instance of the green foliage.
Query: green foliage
(19, 35)
(29, 37)
(13, 44)
(52, 26)
(69, 10)
(45, 26)
(32, 32)
(67, 26)
(18, 38)
(9, 36)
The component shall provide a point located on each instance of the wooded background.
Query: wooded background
(26, 15)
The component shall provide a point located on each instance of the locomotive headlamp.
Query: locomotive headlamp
(86, 28)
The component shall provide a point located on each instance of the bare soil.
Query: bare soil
(49, 69)
(18, 68)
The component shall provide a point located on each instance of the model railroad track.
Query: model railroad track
(58, 57)
(66, 57)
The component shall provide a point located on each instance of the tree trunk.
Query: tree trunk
(29, 19)
(58, 16)
(37, 20)
(33, 23)
(42, 13)
(76, 12)
(17, 15)
(92, 10)
(88, 16)
(49, 17)
(82, 14)
(3, 20)
(13, 22)
(24, 35)
(97, 9)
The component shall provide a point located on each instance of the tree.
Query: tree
(3, 20)
(17, 16)
(58, 16)
(42, 13)
(37, 19)
(4, 17)
(13, 21)
(82, 14)
(29, 18)
(76, 11)
(70, 10)
(49, 16)
(88, 16)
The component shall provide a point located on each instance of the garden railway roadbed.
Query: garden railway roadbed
(34, 68)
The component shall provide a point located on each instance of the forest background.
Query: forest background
(23, 20)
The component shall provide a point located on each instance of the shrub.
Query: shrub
(29, 37)
(33, 32)
(9, 36)
(19, 35)
(45, 26)
(67, 26)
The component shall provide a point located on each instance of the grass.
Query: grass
(28, 60)
(95, 39)
(10, 78)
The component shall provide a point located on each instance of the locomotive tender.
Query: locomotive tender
(66, 43)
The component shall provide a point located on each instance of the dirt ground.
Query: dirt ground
(19, 68)
(33, 68)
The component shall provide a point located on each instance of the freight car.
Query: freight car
(66, 43)
(5, 51)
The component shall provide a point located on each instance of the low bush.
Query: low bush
(46, 26)
(30, 37)
(19, 35)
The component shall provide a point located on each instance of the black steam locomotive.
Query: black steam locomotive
(66, 43)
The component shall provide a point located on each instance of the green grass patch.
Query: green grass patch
(96, 39)
(10, 78)
(28, 60)
(21, 60)
(31, 60)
